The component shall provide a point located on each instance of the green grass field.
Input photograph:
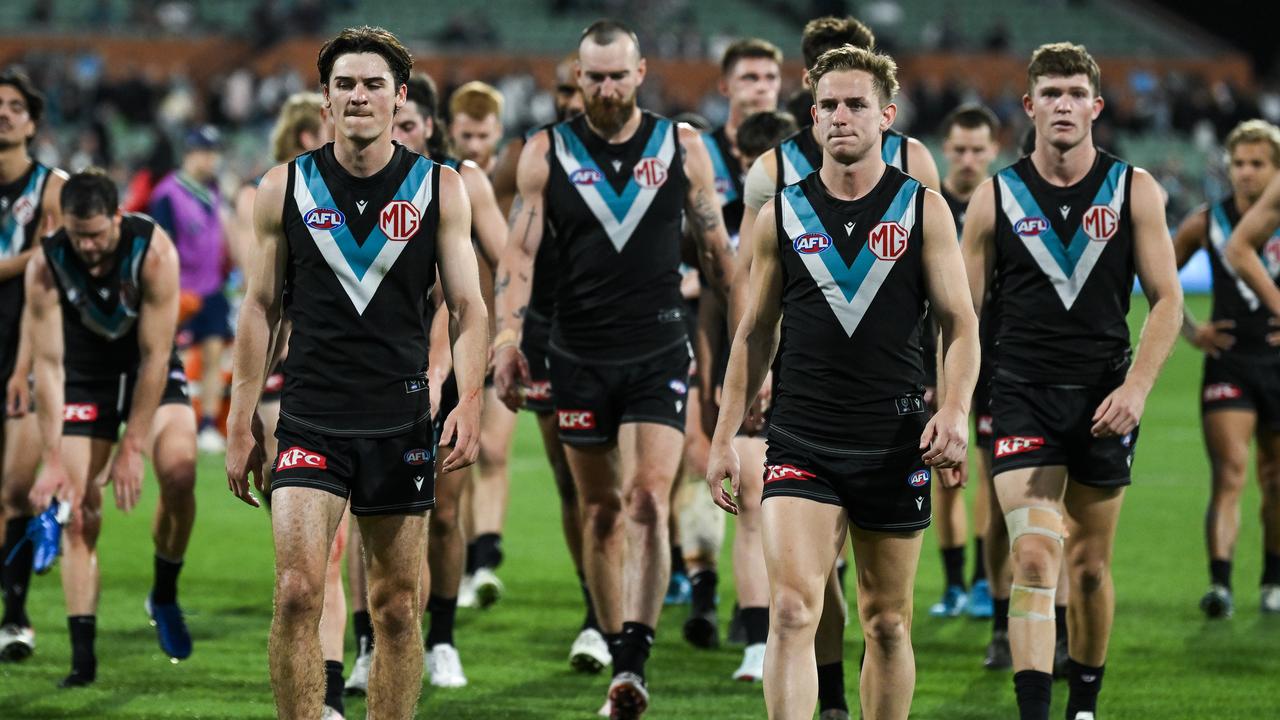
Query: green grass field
(1166, 661)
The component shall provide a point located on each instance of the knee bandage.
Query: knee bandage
(1035, 521)
(1031, 603)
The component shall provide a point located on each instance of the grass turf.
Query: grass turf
(1166, 661)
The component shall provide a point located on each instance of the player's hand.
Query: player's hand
(462, 433)
(1273, 337)
(246, 457)
(435, 385)
(722, 462)
(1120, 412)
(17, 395)
(511, 376)
(52, 482)
(956, 477)
(125, 476)
(945, 440)
(1212, 338)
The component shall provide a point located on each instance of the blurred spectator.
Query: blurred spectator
(188, 206)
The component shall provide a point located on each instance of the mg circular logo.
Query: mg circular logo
(399, 220)
(1100, 222)
(888, 240)
(650, 172)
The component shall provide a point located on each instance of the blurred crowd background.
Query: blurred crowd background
(126, 79)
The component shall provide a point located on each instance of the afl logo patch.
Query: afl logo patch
(810, 243)
(24, 211)
(723, 185)
(1100, 222)
(919, 478)
(650, 172)
(1031, 226)
(399, 220)
(585, 176)
(417, 456)
(888, 240)
(324, 219)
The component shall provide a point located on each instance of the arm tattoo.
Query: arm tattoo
(706, 213)
(502, 284)
(516, 206)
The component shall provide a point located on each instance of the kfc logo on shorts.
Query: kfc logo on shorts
(1017, 444)
(399, 220)
(576, 420)
(888, 240)
(296, 457)
(274, 384)
(985, 426)
(919, 478)
(774, 473)
(650, 172)
(1100, 222)
(79, 412)
(539, 390)
(1221, 391)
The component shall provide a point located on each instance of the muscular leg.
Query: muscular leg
(211, 381)
(83, 458)
(801, 539)
(333, 616)
(651, 452)
(21, 457)
(304, 522)
(1226, 435)
(595, 473)
(173, 454)
(750, 576)
(886, 567)
(491, 481)
(1269, 480)
(1036, 560)
(996, 546)
(446, 551)
(950, 522)
(570, 519)
(394, 546)
(1091, 525)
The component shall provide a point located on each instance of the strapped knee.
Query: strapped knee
(1031, 603)
(1035, 521)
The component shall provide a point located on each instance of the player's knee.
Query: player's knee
(1036, 536)
(1229, 470)
(393, 610)
(886, 629)
(647, 506)
(443, 521)
(1089, 574)
(14, 498)
(299, 596)
(601, 515)
(177, 478)
(792, 611)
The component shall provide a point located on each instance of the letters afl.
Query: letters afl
(324, 219)
(810, 243)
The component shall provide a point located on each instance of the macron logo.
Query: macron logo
(296, 457)
(1017, 444)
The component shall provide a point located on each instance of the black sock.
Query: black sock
(756, 622)
(164, 591)
(1060, 622)
(488, 551)
(442, 611)
(841, 568)
(1000, 614)
(831, 687)
(704, 591)
(633, 648)
(84, 663)
(364, 632)
(677, 561)
(1271, 568)
(1085, 682)
(953, 565)
(333, 685)
(1034, 690)
(1220, 572)
(15, 577)
(470, 566)
(614, 641)
(979, 561)
(590, 620)
(206, 421)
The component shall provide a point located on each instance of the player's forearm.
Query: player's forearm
(1159, 333)
(251, 360)
(440, 356)
(14, 266)
(511, 293)
(49, 377)
(749, 358)
(960, 359)
(153, 372)
(1189, 324)
(469, 331)
(716, 261)
(1249, 267)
